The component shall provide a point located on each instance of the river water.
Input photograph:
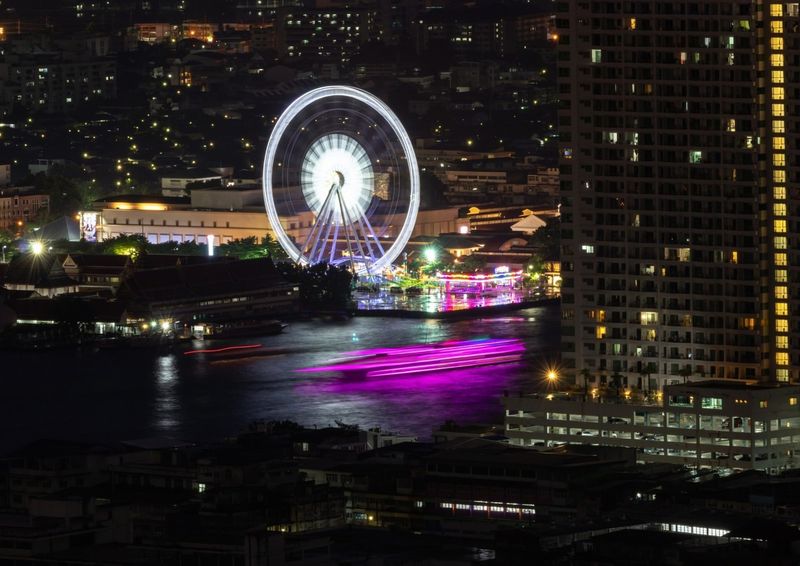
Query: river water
(130, 394)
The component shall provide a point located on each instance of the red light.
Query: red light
(226, 349)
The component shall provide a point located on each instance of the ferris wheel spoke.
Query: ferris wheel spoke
(327, 230)
(367, 223)
(346, 231)
(365, 238)
(367, 231)
(324, 242)
(318, 224)
(359, 242)
(335, 242)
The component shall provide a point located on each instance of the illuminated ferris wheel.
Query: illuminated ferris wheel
(341, 182)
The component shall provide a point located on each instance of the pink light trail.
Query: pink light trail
(407, 360)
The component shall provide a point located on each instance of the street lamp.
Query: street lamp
(4, 253)
(430, 255)
(37, 248)
(551, 377)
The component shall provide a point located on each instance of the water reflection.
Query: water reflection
(166, 405)
(459, 395)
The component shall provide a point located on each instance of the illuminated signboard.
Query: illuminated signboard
(89, 226)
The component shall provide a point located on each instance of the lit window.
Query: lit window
(778, 110)
(777, 77)
(780, 243)
(779, 226)
(782, 342)
(778, 126)
(600, 332)
(779, 209)
(779, 142)
(776, 43)
(587, 249)
(780, 259)
(781, 325)
(781, 292)
(648, 317)
(597, 55)
(781, 276)
(776, 60)
(779, 159)
(695, 156)
(782, 374)
(782, 309)
(776, 26)
(632, 24)
(711, 403)
(782, 358)
(777, 93)
(731, 127)
(793, 401)
(762, 404)
(779, 176)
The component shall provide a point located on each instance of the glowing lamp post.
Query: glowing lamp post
(37, 248)
(552, 378)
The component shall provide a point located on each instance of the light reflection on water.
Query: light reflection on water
(115, 395)
(166, 409)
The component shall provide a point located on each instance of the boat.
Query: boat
(235, 353)
(425, 358)
(246, 328)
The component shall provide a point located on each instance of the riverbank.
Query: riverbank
(459, 314)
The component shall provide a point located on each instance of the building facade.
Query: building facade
(679, 181)
(227, 215)
(18, 207)
(726, 424)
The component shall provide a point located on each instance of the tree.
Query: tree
(7, 246)
(645, 372)
(468, 264)
(321, 285)
(250, 248)
(67, 195)
(685, 372)
(616, 383)
(548, 238)
(132, 245)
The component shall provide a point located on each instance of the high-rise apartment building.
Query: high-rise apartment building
(679, 174)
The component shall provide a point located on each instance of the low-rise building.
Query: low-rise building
(209, 291)
(20, 205)
(705, 424)
(38, 275)
(227, 214)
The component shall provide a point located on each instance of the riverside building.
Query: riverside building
(722, 424)
(679, 179)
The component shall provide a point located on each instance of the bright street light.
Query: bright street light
(430, 255)
(37, 248)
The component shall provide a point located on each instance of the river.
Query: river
(130, 394)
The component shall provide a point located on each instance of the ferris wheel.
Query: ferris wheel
(341, 181)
